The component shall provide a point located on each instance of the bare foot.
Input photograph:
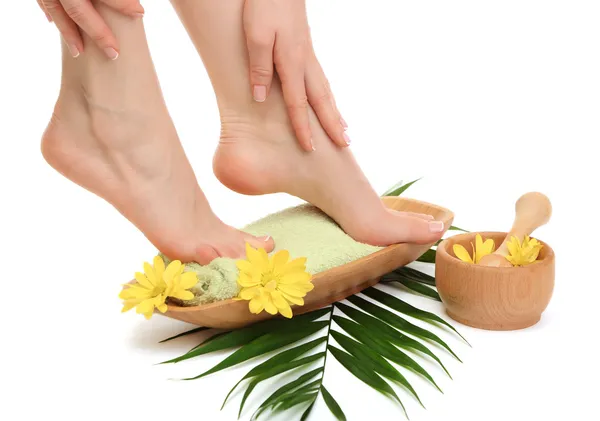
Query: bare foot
(111, 134)
(258, 154)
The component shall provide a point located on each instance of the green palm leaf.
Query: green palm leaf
(399, 188)
(297, 400)
(414, 275)
(428, 256)
(285, 390)
(247, 334)
(386, 331)
(283, 402)
(420, 288)
(373, 361)
(332, 405)
(189, 332)
(309, 409)
(393, 319)
(229, 340)
(208, 340)
(383, 347)
(266, 343)
(282, 368)
(372, 338)
(285, 356)
(307, 388)
(372, 379)
(405, 308)
(413, 280)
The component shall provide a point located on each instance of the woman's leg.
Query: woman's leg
(258, 152)
(111, 133)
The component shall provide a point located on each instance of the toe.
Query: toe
(206, 254)
(418, 230)
(266, 242)
(235, 248)
(413, 214)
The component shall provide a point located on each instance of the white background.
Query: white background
(487, 100)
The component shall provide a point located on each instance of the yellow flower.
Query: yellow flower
(525, 253)
(152, 287)
(480, 249)
(272, 284)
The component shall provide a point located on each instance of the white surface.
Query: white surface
(487, 100)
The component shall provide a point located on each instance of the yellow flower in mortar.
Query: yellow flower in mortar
(152, 287)
(480, 249)
(272, 284)
(525, 253)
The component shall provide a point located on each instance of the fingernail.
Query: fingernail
(436, 226)
(111, 53)
(312, 145)
(49, 18)
(138, 15)
(260, 93)
(346, 139)
(73, 50)
(265, 238)
(344, 124)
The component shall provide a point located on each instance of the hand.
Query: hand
(72, 15)
(278, 35)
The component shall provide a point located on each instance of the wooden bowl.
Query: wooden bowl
(330, 286)
(493, 298)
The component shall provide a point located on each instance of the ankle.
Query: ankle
(135, 143)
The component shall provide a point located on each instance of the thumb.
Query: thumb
(127, 7)
(260, 52)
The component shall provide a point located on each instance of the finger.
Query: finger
(68, 29)
(291, 73)
(321, 100)
(44, 10)
(131, 8)
(260, 52)
(342, 121)
(89, 20)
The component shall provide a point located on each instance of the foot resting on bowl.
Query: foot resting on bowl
(258, 154)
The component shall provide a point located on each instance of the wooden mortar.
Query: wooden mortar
(493, 298)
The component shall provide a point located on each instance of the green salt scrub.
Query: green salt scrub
(304, 231)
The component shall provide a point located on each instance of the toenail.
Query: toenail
(436, 226)
(111, 53)
(347, 139)
(260, 93)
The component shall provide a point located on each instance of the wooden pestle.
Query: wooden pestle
(532, 210)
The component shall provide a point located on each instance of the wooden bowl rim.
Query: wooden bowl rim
(445, 215)
(443, 254)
